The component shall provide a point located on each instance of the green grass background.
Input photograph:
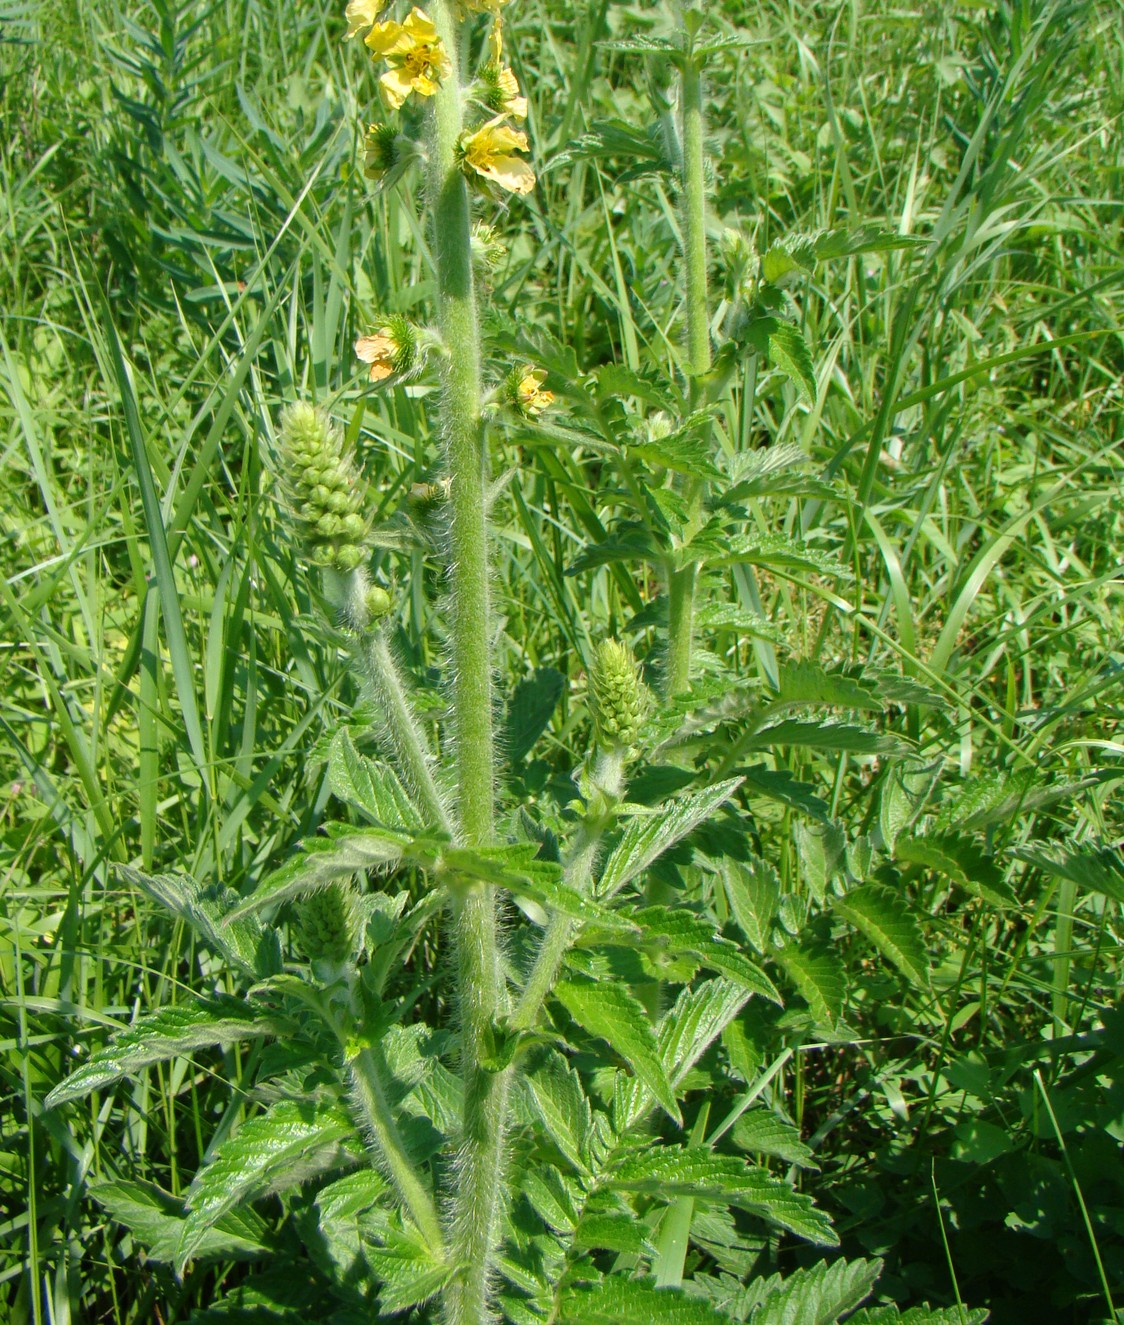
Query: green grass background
(187, 243)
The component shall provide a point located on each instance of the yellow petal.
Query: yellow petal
(509, 172)
(386, 39)
(420, 27)
(361, 14)
(395, 86)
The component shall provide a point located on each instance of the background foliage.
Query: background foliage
(188, 244)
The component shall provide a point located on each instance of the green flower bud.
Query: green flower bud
(377, 602)
(328, 925)
(617, 695)
(488, 251)
(321, 488)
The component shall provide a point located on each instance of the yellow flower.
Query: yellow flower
(362, 14)
(530, 398)
(488, 153)
(417, 58)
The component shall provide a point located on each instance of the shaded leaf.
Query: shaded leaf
(888, 922)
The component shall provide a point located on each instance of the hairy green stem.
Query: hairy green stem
(560, 928)
(683, 581)
(478, 1198)
(368, 1073)
(402, 727)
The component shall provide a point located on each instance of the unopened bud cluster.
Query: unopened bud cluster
(328, 925)
(617, 694)
(322, 489)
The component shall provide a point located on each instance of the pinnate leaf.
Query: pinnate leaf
(278, 1149)
(610, 1011)
(669, 1171)
(886, 919)
(171, 1032)
(647, 837)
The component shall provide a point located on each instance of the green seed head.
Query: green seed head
(321, 488)
(328, 925)
(617, 694)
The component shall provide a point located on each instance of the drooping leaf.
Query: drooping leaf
(667, 1171)
(889, 923)
(529, 710)
(774, 471)
(819, 978)
(622, 1301)
(647, 837)
(762, 1132)
(629, 542)
(961, 860)
(754, 548)
(156, 1218)
(609, 1010)
(278, 1149)
(780, 785)
(171, 1032)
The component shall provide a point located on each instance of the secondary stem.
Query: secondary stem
(368, 1073)
(478, 1199)
(682, 582)
(402, 726)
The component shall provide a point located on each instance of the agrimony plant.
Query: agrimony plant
(515, 1132)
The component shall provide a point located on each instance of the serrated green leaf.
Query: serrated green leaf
(321, 861)
(785, 257)
(753, 891)
(407, 1270)
(780, 785)
(207, 911)
(278, 1149)
(788, 351)
(612, 1232)
(561, 1103)
(762, 1132)
(835, 736)
(686, 1030)
(669, 1171)
(370, 786)
(1094, 868)
(338, 1240)
(887, 921)
(755, 548)
(870, 238)
(962, 861)
(626, 543)
(681, 931)
(530, 708)
(171, 1032)
(156, 1219)
(647, 837)
(610, 1011)
(821, 850)
(816, 1295)
(808, 683)
(621, 1301)
(819, 978)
